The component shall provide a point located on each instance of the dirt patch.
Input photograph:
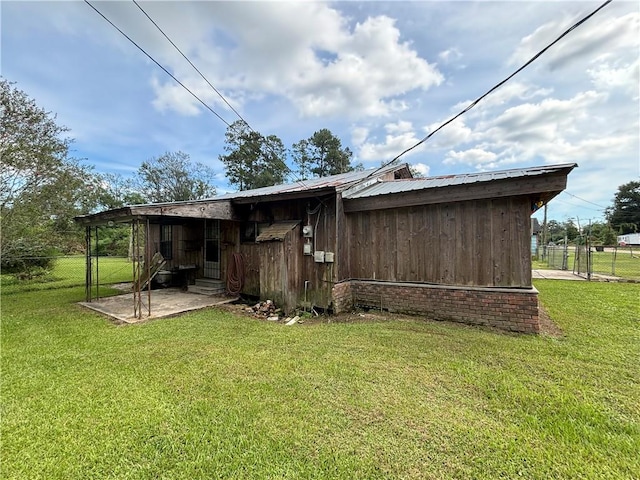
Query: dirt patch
(548, 326)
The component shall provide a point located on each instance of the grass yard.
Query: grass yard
(213, 395)
(625, 263)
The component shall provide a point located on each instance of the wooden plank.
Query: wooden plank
(402, 243)
(219, 209)
(251, 258)
(447, 243)
(463, 243)
(470, 240)
(427, 243)
(520, 242)
(340, 268)
(500, 237)
(483, 251)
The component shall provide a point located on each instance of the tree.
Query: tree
(624, 215)
(321, 155)
(172, 177)
(557, 230)
(41, 188)
(253, 160)
(115, 191)
(600, 233)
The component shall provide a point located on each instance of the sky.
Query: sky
(380, 75)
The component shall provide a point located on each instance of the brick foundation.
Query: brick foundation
(342, 297)
(513, 309)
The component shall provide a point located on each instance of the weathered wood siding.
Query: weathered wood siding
(481, 243)
(279, 269)
(251, 258)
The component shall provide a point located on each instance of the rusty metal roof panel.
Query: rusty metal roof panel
(276, 231)
(333, 181)
(413, 184)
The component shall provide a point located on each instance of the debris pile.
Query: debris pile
(267, 310)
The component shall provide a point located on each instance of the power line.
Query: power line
(158, 64)
(191, 63)
(495, 87)
(268, 145)
(586, 201)
(575, 205)
(287, 168)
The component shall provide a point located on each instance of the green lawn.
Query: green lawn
(212, 395)
(625, 263)
(70, 271)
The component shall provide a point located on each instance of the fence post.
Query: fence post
(97, 266)
(589, 260)
(88, 267)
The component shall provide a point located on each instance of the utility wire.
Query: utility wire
(495, 87)
(158, 64)
(575, 205)
(291, 172)
(191, 63)
(587, 201)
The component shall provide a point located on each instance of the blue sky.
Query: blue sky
(379, 75)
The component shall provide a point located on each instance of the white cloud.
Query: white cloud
(450, 55)
(625, 77)
(552, 116)
(308, 53)
(171, 98)
(554, 130)
(453, 134)
(421, 169)
(473, 156)
(399, 137)
(597, 39)
(398, 128)
(359, 135)
(504, 96)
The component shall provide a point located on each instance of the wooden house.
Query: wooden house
(454, 247)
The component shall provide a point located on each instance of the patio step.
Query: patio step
(207, 286)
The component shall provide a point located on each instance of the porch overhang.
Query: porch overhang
(210, 209)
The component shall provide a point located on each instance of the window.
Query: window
(250, 230)
(166, 241)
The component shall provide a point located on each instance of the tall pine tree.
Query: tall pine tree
(321, 155)
(253, 160)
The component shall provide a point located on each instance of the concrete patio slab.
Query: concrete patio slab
(555, 275)
(164, 303)
(567, 275)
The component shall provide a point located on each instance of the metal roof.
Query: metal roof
(333, 181)
(413, 184)
(340, 181)
(276, 231)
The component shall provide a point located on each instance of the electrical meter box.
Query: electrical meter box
(328, 257)
(306, 249)
(318, 256)
(307, 231)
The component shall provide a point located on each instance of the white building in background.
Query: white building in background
(629, 239)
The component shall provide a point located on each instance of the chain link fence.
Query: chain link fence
(43, 273)
(586, 260)
(557, 257)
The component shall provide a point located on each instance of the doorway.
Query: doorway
(212, 249)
